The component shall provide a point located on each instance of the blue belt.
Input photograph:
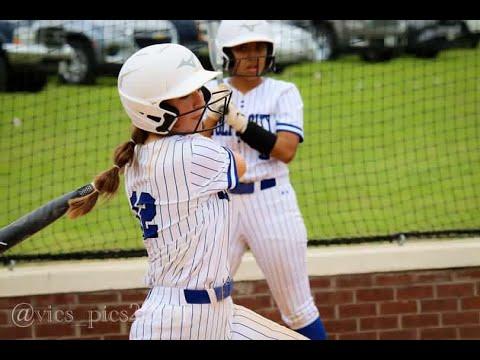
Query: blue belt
(202, 297)
(248, 188)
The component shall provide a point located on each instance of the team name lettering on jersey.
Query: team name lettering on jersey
(275, 105)
(261, 119)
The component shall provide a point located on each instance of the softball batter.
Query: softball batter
(176, 182)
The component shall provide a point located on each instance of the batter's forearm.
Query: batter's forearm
(240, 164)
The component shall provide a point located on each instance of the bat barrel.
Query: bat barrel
(39, 218)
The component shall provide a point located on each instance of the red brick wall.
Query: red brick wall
(437, 304)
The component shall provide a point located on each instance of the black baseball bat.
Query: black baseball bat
(39, 218)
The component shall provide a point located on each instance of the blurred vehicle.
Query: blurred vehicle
(471, 31)
(426, 38)
(465, 35)
(29, 52)
(379, 40)
(102, 46)
(373, 40)
(293, 44)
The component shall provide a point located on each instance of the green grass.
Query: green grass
(389, 147)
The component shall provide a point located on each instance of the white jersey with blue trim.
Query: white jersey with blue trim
(276, 105)
(266, 216)
(176, 187)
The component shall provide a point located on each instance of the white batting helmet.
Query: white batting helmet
(231, 33)
(157, 73)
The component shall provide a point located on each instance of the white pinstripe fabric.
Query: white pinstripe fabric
(221, 321)
(269, 221)
(177, 320)
(248, 325)
(184, 175)
(278, 242)
(277, 106)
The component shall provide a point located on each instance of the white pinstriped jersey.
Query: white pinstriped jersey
(276, 105)
(269, 221)
(176, 188)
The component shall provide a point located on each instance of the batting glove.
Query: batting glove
(236, 119)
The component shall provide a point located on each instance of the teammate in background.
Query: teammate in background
(176, 182)
(265, 126)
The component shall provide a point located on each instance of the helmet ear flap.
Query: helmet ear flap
(166, 106)
(168, 120)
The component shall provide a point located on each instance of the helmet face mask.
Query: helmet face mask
(232, 65)
(224, 101)
(158, 73)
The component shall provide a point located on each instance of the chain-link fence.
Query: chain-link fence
(391, 125)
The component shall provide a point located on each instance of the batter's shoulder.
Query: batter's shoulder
(200, 140)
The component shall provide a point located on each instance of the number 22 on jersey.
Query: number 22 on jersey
(145, 210)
